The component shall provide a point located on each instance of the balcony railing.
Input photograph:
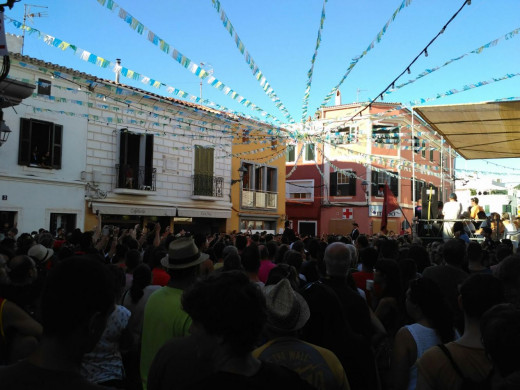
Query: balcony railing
(136, 177)
(208, 185)
(260, 199)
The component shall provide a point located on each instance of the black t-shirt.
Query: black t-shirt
(27, 376)
(269, 377)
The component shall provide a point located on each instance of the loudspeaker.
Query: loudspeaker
(431, 203)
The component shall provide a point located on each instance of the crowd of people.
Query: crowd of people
(147, 308)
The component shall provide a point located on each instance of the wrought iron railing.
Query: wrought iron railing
(208, 185)
(136, 177)
(260, 199)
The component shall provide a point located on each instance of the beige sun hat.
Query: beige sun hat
(183, 253)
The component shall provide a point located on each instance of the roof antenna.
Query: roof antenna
(27, 14)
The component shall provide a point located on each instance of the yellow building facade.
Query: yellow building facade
(258, 180)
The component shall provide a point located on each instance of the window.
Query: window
(385, 134)
(423, 149)
(419, 184)
(378, 183)
(135, 161)
(290, 153)
(307, 228)
(416, 144)
(44, 87)
(310, 154)
(431, 154)
(259, 186)
(300, 190)
(345, 135)
(342, 184)
(203, 171)
(66, 221)
(40, 144)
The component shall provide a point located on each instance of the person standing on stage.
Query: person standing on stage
(451, 210)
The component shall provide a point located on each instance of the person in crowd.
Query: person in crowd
(452, 210)
(287, 313)
(354, 234)
(132, 259)
(134, 300)
(435, 253)
(72, 325)
(459, 232)
(509, 275)
(104, 364)
(497, 226)
(288, 236)
(432, 324)
(251, 262)
(475, 208)
(164, 316)
(338, 259)
(500, 329)
(295, 259)
(476, 259)
(229, 314)
(450, 275)
(368, 258)
(420, 255)
(464, 361)
(266, 265)
(159, 275)
(24, 287)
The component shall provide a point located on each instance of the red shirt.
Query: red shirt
(361, 278)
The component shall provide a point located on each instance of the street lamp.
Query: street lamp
(241, 172)
(364, 185)
(4, 132)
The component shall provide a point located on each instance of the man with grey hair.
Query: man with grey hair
(338, 260)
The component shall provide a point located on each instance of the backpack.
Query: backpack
(467, 384)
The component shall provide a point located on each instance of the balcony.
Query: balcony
(207, 186)
(259, 199)
(134, 179)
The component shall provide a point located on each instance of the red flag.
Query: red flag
(389, 204)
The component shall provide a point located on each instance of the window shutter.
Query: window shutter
(375, 183)
(24, 147)
(352, 184)
(148, 160)
(122, 149)
(57, 135)
(394, 185)
(333, 183)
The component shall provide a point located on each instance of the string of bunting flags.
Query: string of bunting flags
(184, 61)
(307, 92)
(257, 73)
(355, 60)
(128, 73)
(479, 50)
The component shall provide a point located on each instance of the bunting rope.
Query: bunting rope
(307, 92)
(187, 63)
(257, 73)
(128, 73)
(478, 50)
(355, 60)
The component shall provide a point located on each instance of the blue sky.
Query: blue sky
(281, 37)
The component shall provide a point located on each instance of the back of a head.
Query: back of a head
(388, 249)
(427, 295)
(75, 290)
(272, 247)
(251, 258)
(298, 246)
(500, 329)
(454, 252)
(481, 214)
(458, 227)
(21, 270)
(313, 246)
(232, 261)
(241, 242)
(475, 252)
(368, 257)
(453, 196)
(293, 258)
(502, 251)
(362, 241)
(479, 293)
(509, 274)
(420, 255)
(264, 252)
(280, 253)
(283, 271)
(132, 259)
(142, 278)
(337, 259)
(228, 305)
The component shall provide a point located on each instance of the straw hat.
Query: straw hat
(183, 253)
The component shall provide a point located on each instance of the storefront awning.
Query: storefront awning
(480, 130)
(133, 209)
(204, 213)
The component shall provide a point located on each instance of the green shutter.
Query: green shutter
(333, 183)
(24, 147)
(57, 136)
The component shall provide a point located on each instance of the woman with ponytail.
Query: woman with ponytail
(433, 324)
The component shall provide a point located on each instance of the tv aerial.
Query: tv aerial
(28, 15)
